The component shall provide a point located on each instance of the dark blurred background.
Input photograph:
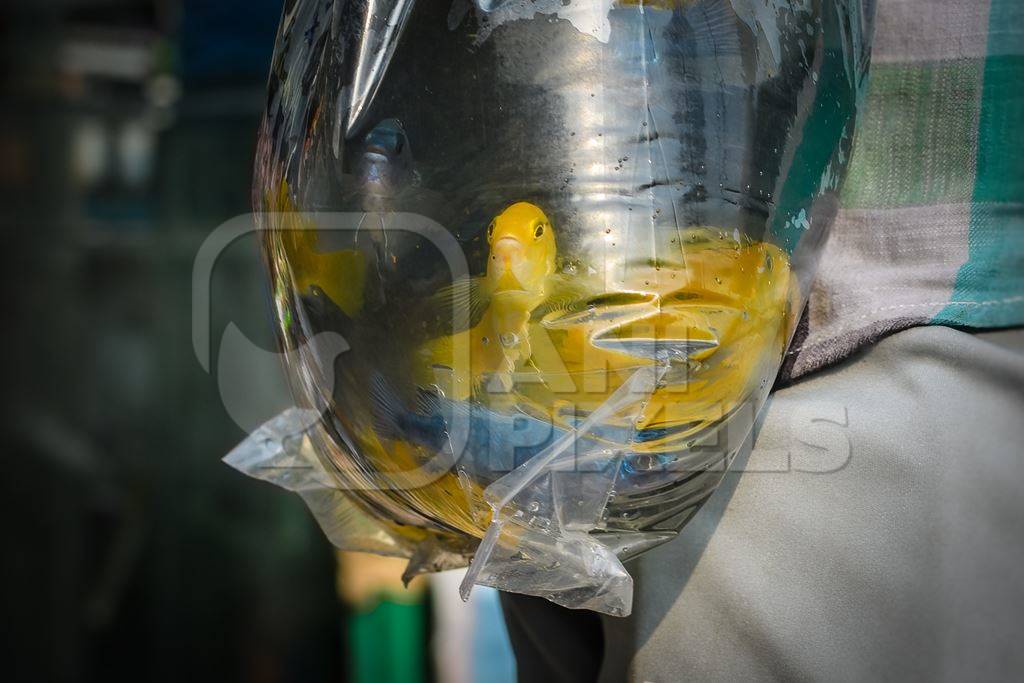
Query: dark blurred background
(126, 136)
(127, 132)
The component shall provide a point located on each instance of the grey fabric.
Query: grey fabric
(877, 532)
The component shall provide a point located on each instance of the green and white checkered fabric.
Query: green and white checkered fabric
(931, 229)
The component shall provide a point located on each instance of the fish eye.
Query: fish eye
(539, 231)
(490, 232)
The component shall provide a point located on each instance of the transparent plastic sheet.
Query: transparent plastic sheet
(565, 245)
(281, 452)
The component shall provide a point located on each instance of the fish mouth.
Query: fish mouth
(508, 254)
(508, 242)
(509, 286)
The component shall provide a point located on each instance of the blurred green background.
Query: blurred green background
(128, 131)
(127, 135)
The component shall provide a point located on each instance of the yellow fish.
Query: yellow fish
(520, 268)
(549, 340)
(728, 304)
(340, 274)
(726, 301)
(410, 495)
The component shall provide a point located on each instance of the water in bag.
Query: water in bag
(565, 244)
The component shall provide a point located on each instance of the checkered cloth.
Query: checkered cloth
(931, 225)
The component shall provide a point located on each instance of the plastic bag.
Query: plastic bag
(562, 247)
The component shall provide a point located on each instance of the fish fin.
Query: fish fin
(428, 402)
(553, 304)
(566, 293)
(465, 294)
(386, 407)
(715, 28)
(431, 403)
(319, 311)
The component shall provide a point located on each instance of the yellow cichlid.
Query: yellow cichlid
(395, 484)
(520, 267)
(728, 300)
(340, 274)
(548, 341)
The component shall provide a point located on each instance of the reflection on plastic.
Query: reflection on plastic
(575, 243)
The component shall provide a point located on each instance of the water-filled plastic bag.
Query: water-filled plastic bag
(535, 264)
